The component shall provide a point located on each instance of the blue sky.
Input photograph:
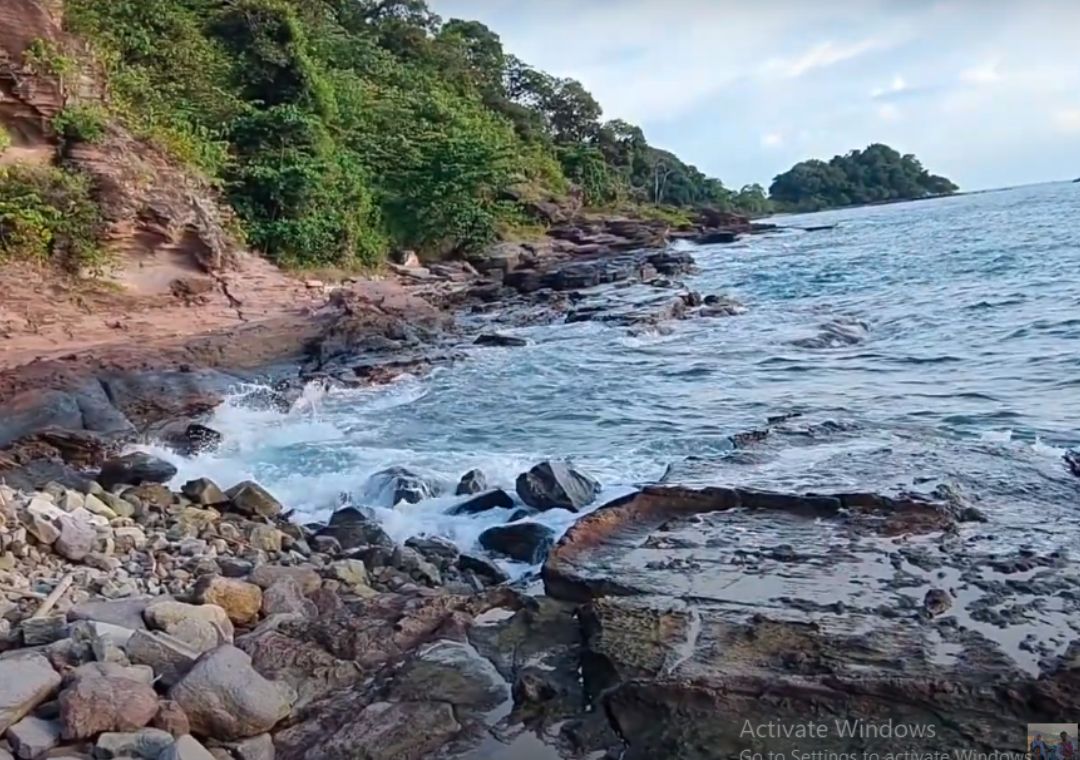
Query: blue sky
(986, 92)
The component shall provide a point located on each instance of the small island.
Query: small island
(878, 174)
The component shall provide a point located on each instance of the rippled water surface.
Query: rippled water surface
(924, 343)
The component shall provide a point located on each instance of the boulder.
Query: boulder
(439, 551)
(494, 499)
(556, 485)
(126, 613)
(147, 743)
(204, 492)
(37, 631)
(524, 541)
(484, 569)
(32, 737)
(240, 600)
(169, 657)
(191, 439)
(224, 697)
(25, 682)
(449, 671)
(352, 529)
(201, 627)
(305, 576)
(474, 481)
(394, 485)
(95, 702)
(259, 747)
(133, 470)
(172, 718)
(266, 538)
(495, 339)
(76, 538)
(286, 597)
(186, 748)
(249, 498)
(351, 572)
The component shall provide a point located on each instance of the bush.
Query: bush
(84, 123)
(5, 139)
(48, 215)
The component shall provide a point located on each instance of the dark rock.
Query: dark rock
(439, 551)
(937, 601)
(525, 542)
(190, 439)
(352, 529)
(1072, 460)
(474, 481)
(555, 485)
(249, 498)
(495, 339)
(134, 470)
(204, 492)
(397, 484)
(718, 236)
(452, 672)
(482, 568)
(494, 499)
(521, 514)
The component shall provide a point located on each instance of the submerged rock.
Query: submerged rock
(474, 481)
(556, 485)
(494, 499)
(525, 542)
(495, 339)
(133, 470)
(397, 484)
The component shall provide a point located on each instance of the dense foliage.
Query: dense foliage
(876, 174)
(342, 128)
(47, 215)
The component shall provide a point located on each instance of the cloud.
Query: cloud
(821, 56)
(772, 140)
(1067, 120)
(897, 86)
(982, 74)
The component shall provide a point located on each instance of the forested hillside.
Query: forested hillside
(340, 129)
(873, 175)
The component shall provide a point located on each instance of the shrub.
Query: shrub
(5, 139)
(85, 123)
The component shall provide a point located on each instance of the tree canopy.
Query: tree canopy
(341, 128)
(878, 173)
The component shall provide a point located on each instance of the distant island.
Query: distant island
(874, 175)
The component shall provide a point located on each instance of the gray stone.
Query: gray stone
(44, 630)
(524, 541)
(474, 481)
(226, 698)
(250, 498)
(556, 485)
(449, 671)
(286, 597)
(186, 748)
(259, 747)
(147, 743)
(305, 576)
(25, 682)
(204, 492)
(126, 613)
(169, 657)
(394, 485)
(32, 737)
(201, 627)
(76, 539)
(134, 469)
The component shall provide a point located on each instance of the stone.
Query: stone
(494, 499)
(259, 747)
(351, 572)
(441, 552)
(191, 439)
(129, 538)
(224, 697)
(937, 601)
(96, 506)
(32, 737)
(126, 613)
(249, 498)
(556, 485)
(169, 657)
(202, 627)
(394, 485)
(265, 538)
(474, 481)
(186, 748)
(204, 492)
(412, 562)
(234, 567)
(496, 339)
(482, 568)
(94, 703)
(122, 507)
(172, 718)
(44, 630)
(524, 541)
(76, 539)
(133, 470)
(150, 495)
(25, 682)
(240, 600)
(305, 576)
(286, 597)
(147, 743)
(449, 671)
(352, 529)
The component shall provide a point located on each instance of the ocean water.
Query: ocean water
(920, 344)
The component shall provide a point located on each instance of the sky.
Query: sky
(985, 92)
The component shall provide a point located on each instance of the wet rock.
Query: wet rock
(494, 499)
(133, 470)
(439, 551)
(352, 529)
(201, 627)
(169, 657)
(305, 576)
(240, 600)
(474, 481)
(495, 339)
(525, 542)
(449, 671)
(186, 748)
(380, 731)
(147, 744)
(192, 439)
(937, 601)
(556, 485)
(1072, 461)
(95, 702)
(25, 682)
(249, 498)
(32, 737)
(224, 697)
(397, 484)
(204, 492)
(482, 568)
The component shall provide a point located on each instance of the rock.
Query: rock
(149, 495)
(259, 747)
(76, 539)
(495, 339)
(494, 499)
(555, 485)
(95, 702)
(133, 470)
(352, 529)
(305, 576)
(204, 492)
(937, 601)
(474, 481)
(129, 538)
(186, 748)
(25, 682)
(249, 498)
(286, 597)
(172, 718)
(449, 671)
(32, 737)
(351, 572)
(192, 439)
(234, 567)
(410, 561)
(380, 731)
(126, 613)
(147, 743)
(224, 697)
(484, 569)
(44, 630)
(525, 541)
(240, 600)
(1072, 461)
(441, 552)
(202, 627)
(169, 657)
(265, 538)
(394, 485)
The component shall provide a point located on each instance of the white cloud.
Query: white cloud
(772, 140)
(898, 85)
(821, 56)
(1067, 120)
(982, 74)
